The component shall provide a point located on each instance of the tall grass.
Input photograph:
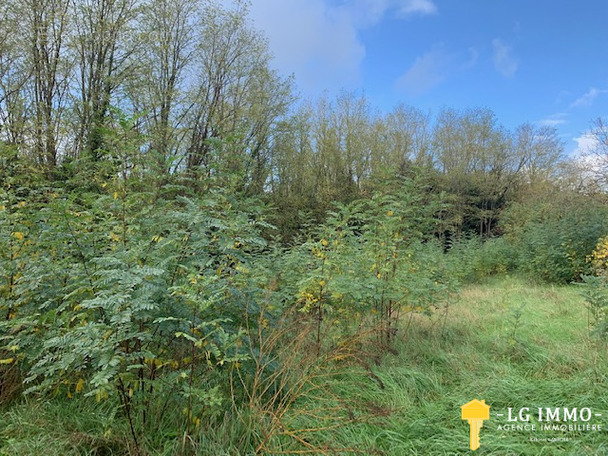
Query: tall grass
(509, 342)
(512, 343)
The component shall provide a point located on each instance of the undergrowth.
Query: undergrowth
(509, 342)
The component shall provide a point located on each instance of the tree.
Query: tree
(236, 98)
(472, 151)
(408, 137)
(598, 157)
(34, 75)
(167, 29)
(538, 151)
(102, 42)
(14, 75)
(47, 23)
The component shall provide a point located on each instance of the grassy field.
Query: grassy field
(509, 342)
(512, 343)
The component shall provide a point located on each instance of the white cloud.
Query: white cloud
(317, 43)
(318, 40)
(504, 61)
(417, 7)
(588, 98)
(473, 57)
(370, 12)
(427, 71)
(586, 145)
(554, 120)
(432, 68)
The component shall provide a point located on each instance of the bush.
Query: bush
(596, 297)
(554, 239)
(473, 259)
(370, 262)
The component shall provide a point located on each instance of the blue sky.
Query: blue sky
(539, 61)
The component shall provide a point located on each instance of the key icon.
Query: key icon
(475, 412)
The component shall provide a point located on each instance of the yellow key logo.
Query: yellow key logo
(475, 412)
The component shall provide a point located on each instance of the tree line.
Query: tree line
(188, 71)
(190, 85)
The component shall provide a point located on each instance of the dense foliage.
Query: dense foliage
(196, 253)
(147, 293)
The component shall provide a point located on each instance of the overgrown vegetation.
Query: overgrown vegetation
(193, 263)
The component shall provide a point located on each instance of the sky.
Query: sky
(538, 61)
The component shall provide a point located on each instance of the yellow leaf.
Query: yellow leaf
(7, 361)
(21, 204)
(390, 213)
(79, 385)
(115, 195)
(18, 235)
(2, 207)
(324, 243)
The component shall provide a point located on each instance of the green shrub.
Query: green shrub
(554, 238)
(473, 259)
(596, 297)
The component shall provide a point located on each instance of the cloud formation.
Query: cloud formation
(312, 40)
(427, 71)
(588, 98)
(365, 13)
(554, 120)
(318, 40)
(504, 61)
(586, 143)
(432, 68)
(417, 7)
